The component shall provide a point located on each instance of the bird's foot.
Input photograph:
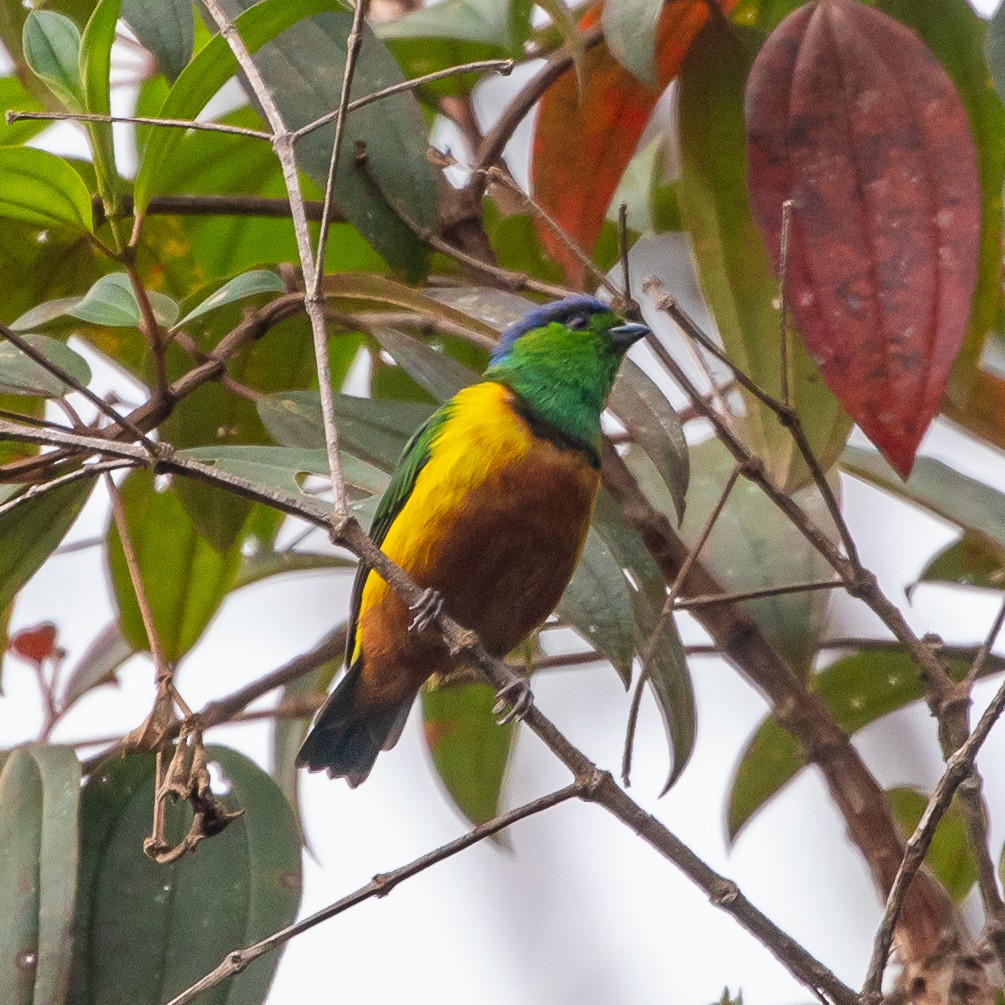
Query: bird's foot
(518, 695)
(427, 609)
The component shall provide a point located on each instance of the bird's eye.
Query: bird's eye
(578, 322)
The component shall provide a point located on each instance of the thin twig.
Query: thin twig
(353, 46)
(958, 767)
(381, 885)
(41, 488)
(783, 314)
(67, 378)
(139, 120)
(626, 278)
(504, 67)
(768, 591)
(283, 142)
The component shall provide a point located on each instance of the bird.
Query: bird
(487, 509)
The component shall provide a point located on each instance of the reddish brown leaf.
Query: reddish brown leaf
(34, 644)
(851, 117)
(583, 142)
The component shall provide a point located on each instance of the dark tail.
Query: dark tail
(345, 739)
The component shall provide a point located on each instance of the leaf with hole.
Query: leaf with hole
(21, 375)
(245, 285)
(145, 932)
(857, 690)
(51, 45)
(469, 751)
(851, 117)
(111, 302)
(39, 794)
(41, 189)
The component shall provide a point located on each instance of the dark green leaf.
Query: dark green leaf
(597, 603)
(184, 577)
(857, 690)
(974, 560)
(630, 33)
(753, 546)
(145, 932)
(52, 48)
(994, 49)
(41, 189)
(667, 670)
(212, 66)
(111, 302)
(949, 856)
(20, 374)
(655, 426)
(433, 371)
(39, 793)
(98, 665)
(470, 752)
(736, 275)
(935, 486)
(375, 430)
(166, 28)
(245, 285)
(32, 530)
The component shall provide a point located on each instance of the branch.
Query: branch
(380, 886)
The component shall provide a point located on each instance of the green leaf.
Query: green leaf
(470, 752)
(39, 793)
(973, 560)
(166, 28)
(994, 49)
(145, 932)
(32, 530)
(655, 426)
(211, 68)
(374, 430)
(935, 486)
(753, 546)
(111, 302)
(857, 690)
(667, 670)
(597, 603)
(95, 76)
(43, 190)
(630, 33)
(14, 96)
(20, 374)
(98, 665)
(184, 577)
(52, 50)
(433, 371)
(736, 275)
(265, 564)
(41, 314)
(949, 856)
(245, 285)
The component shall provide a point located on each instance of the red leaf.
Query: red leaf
(850, 116)
(34, 644)
(582, 143)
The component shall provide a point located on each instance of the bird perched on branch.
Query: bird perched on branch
(487, 509)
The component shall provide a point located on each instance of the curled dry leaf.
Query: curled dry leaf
(851, 116)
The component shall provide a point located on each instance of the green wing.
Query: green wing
(413, 459)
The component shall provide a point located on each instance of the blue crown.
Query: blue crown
(558, 310)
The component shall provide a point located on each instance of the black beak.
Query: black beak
(627, 334)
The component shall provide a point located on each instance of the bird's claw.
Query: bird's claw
(518, 695)
(427, 609)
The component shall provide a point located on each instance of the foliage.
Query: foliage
(858, 152)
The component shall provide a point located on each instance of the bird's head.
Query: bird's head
(562, 358)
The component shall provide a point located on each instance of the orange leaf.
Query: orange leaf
(583, 142)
